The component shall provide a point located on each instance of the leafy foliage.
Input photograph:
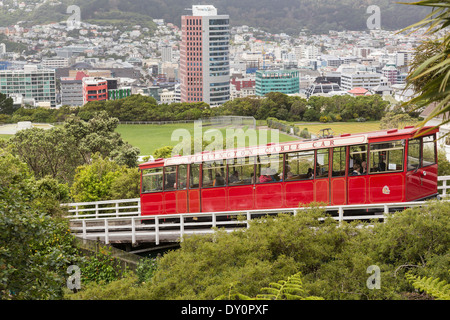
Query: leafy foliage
(430, 71)
(439, 289)
(333, 260)
(57, 152)
(274, 104)
(146, 268)
(290, 289)
(35, 250)
(104, 179)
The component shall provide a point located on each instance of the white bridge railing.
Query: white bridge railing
(121, 220)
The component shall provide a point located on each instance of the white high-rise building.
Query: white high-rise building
(204, 56)
(166, 53)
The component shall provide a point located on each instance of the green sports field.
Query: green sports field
(339, 128)
(148, 138)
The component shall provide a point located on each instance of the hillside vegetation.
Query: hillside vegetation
(288, 16)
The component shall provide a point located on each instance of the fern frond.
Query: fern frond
(435, 287)
(290, 289)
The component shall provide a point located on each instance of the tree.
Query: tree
(47, 152)
(104, 179)
(98, 135)
(431, 71)
(35, 250)
(396, 121)
(36, 247)
(57, 152)
(6, 105)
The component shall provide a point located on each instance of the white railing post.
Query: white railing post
(76, 211)
(385, 212)
(249, 217)
(213, 217)
(117, 209)
(133, 230)
(444, 189)
(156, 231)
(83, 222)
(181, 227)
(96, 210)
(341, 215)
(106, 232)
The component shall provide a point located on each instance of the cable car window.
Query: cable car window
(182, 177)
(322, 163)
(413, 154)
(241, 171)
(194, 176)
(170, 178)
(339, 158)
(357, 160)
(299, 165)
(269, 168)
(152, 180)
(214, 174)
(387, 156)
(429, 151)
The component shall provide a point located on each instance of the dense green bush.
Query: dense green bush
(274, 104)
(333, 259)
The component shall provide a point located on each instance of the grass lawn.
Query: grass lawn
(149, 137)
(341, 127)
(5, 136)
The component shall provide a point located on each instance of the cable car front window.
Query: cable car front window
(429, 151)
(152, 180)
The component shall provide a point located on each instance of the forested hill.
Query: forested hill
(275, 16)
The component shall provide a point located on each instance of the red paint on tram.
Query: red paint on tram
(394, 166)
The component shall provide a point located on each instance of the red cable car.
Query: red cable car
(374, 167)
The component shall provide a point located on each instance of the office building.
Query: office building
(71, 92)
(94, 89)
(204, 56)
(284, 81)
(55, 63)
(31, 83)
(119, 93)
(367, 80)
